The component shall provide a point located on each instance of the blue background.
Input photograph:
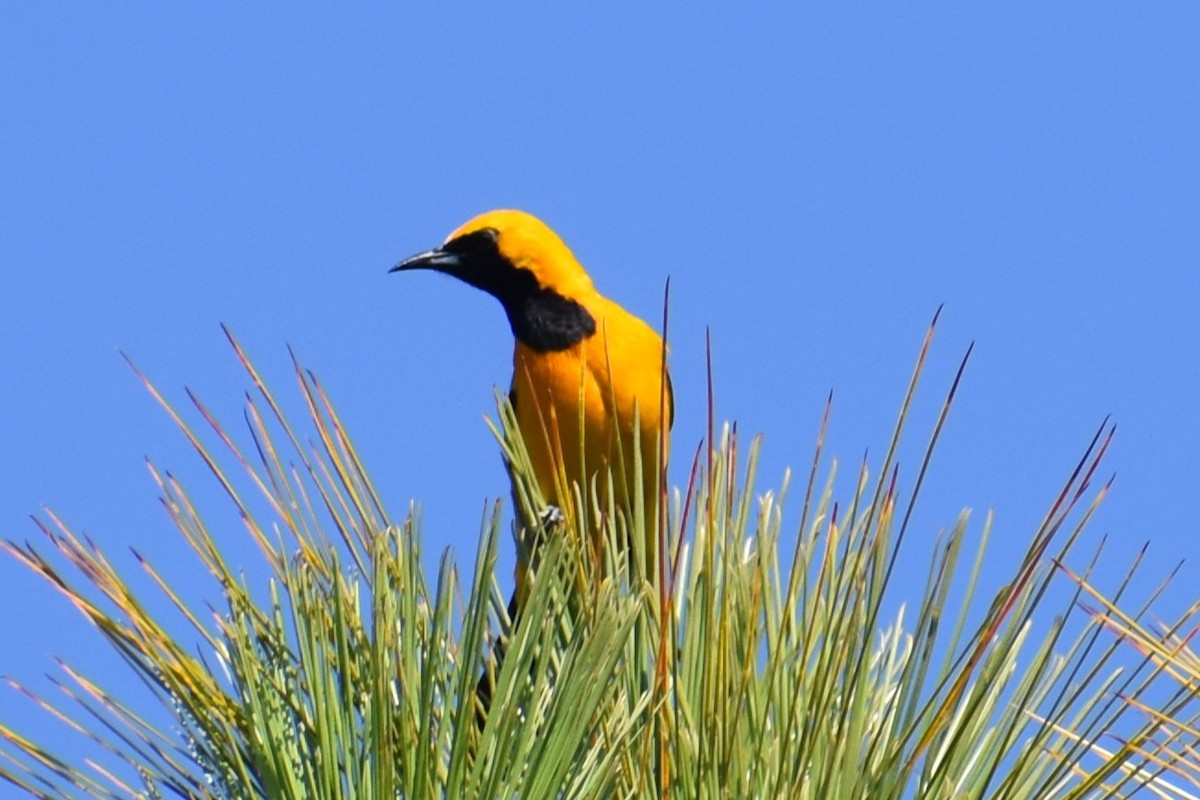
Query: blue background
(815, 183)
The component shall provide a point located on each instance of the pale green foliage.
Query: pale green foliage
(752, 661)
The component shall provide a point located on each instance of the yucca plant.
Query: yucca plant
(1168, 760)
(753, 662)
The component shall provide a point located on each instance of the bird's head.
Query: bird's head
(506, 253)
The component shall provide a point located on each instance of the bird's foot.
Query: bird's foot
(551, 515)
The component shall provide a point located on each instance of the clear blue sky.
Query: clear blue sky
(814, 184)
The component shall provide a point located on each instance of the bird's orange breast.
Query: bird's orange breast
(577, 408)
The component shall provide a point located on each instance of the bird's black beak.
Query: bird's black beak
(438, 259)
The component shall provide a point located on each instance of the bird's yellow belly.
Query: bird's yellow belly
(550, 388)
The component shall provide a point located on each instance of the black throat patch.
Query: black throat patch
(541, 318)
(545, 321)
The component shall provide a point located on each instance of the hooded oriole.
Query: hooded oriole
(572, 346)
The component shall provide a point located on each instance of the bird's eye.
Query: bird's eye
(473, 243)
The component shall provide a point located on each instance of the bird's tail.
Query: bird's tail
(485, 687)
(550, 520)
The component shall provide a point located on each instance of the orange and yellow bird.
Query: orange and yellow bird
(579, 359)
